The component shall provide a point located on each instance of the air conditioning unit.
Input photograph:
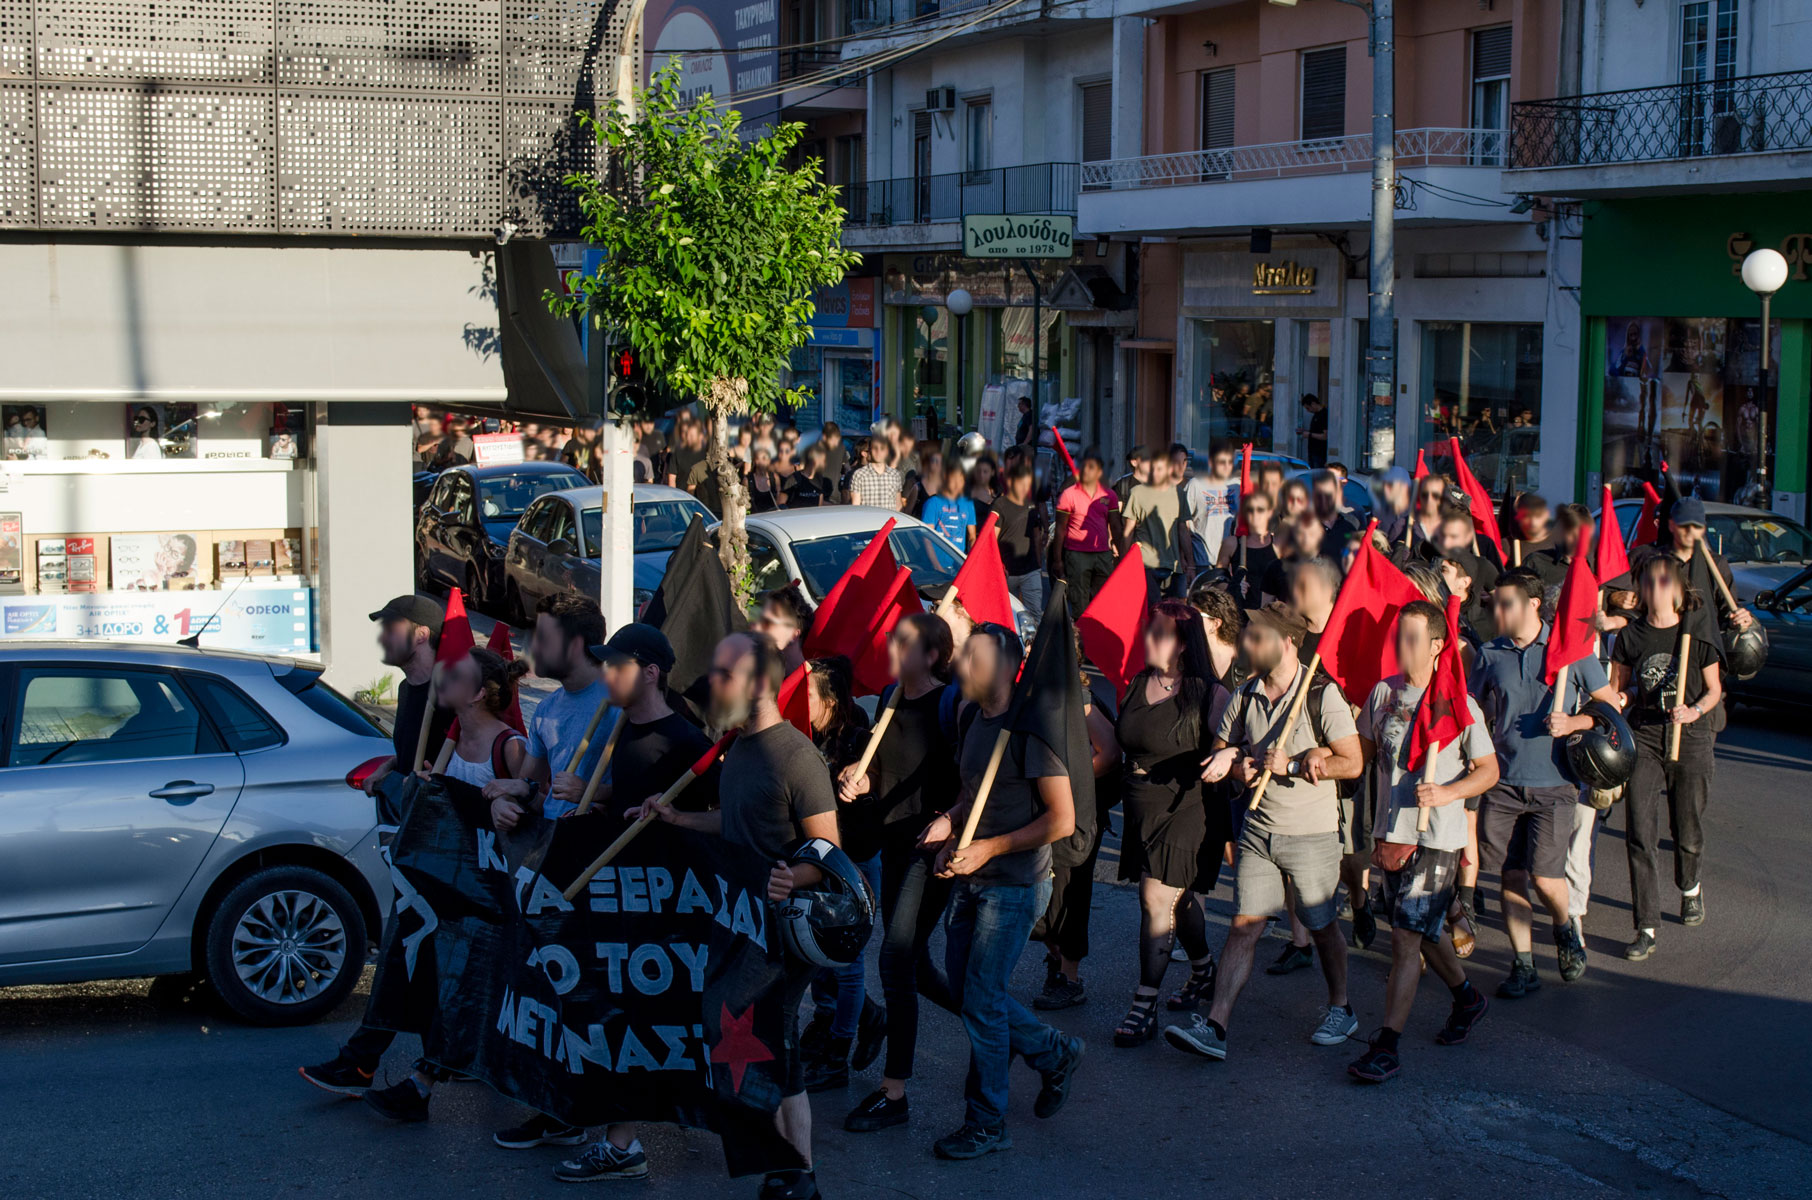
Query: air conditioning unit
(940, 99)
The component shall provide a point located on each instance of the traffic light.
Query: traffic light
(628, 392)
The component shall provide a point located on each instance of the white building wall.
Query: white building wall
(1630, 45)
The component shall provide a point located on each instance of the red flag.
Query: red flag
(1573, 637)
(981, 582)
(499, 644)
(1648, 529)
(1245, 488)
(456, 639)
(1065, 451)
(795, 699)
(1443, 713)
(872, 670)
(1112, 627)
(843, 621)
(717, 751)
(1612, 559)
(1421, 467)
(1359, 646)
(1484, 513)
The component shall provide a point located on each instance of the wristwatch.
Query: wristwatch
(1293, 769)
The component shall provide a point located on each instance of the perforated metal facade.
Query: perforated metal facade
(399, 118)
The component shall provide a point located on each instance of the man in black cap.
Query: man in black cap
(656, 747)
(408, 633)
(1686, 529)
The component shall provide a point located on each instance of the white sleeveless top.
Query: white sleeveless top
(476, 773)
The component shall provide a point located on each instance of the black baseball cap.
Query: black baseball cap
(418, 609)
(1688, 510)
(643, 643)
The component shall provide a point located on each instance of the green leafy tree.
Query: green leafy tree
(713, 249)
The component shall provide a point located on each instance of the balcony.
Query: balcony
(1206, 191)
(926, 209)
(1720, 134)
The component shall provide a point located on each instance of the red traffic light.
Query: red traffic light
(625, 363)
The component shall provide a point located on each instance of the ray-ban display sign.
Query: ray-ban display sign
(1018, 236)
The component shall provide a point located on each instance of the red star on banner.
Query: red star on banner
(1439, 710)
(738, 1046)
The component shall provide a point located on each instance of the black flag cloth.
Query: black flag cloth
(696, 608)
(1047, 705)
(653, 996)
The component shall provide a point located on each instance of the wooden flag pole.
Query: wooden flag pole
(881, 724)
(421, 735)
(444, 757)
(1717, 577)
(1289, 728)
(981, 793)
(1516, 551)
(665, 801)
(597, 772)
(1680, 673)
(1423, 815)
(585, 742)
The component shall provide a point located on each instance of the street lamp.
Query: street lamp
(959, 303)
(1764, 273)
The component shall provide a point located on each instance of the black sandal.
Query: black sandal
(1140, 1023)
(1198, 989)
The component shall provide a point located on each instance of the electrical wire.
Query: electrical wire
(879, 31)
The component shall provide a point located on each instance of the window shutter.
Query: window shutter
(1217, 109)
(1491, 53)
(1324, 93)
(1097, 122)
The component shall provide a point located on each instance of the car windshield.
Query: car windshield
(822, 561)
(1760, 538)
(504, 497)
(659, 524)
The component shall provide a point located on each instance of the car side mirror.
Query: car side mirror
(560, 546)
(1765, 599)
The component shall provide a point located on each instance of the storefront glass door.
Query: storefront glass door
(1482, 384)
(1233, 367)
(1310, 441)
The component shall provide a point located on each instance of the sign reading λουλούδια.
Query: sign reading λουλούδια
(1018, 236)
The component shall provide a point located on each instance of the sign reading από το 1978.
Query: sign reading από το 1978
(1018, 236)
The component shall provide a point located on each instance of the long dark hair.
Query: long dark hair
(1670, 566)
(1194, 666)
(831, 677)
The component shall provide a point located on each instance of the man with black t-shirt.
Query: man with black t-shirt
(1020, 528)
(408, 633)
(773, 794)
(687, 454)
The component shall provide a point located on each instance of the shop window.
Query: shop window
(1324, 94)
(1313, 378)
(1234, 365)
(1689, 392)
(1482, 384)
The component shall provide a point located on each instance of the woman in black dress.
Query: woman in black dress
(1165, 730)
(1249, 556)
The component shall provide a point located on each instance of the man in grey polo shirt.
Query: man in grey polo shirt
(1526, 820)
(1295, 831)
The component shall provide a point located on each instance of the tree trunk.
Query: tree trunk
(733, 535)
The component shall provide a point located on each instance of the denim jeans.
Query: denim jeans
(985, 931)
(840, 991)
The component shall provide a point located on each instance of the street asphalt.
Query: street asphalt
(1683, 1076)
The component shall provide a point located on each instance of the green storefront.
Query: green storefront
(1671, 370)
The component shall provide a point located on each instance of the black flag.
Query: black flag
(1047, 705)
(696, 608)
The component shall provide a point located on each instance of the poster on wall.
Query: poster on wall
(1687, 392)
(723, 48)
(156, 561)
(12, 552)
(26, 432)
(271, 619)
(158, 431)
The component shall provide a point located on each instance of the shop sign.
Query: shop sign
(1006, 236)
(1796, 248)
(267, 619)
(846, 304)
(1287, 278)
(492, 449)
(1236, 283)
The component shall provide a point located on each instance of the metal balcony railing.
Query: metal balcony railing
(1283, 160)
(1746, 115)
(813, 60)
(919, 200)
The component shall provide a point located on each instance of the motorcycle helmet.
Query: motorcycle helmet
(1746, 650)
(828, 923)
(1604, 756)
(969, 447)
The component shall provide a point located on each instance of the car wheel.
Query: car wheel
(285, 946)
(474, 598)
(513, 613)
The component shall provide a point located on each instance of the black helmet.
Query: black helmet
(1604, 756)
(828, 923)
(1746, 650)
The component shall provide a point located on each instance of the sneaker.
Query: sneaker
(1376, 1065)
(539, 1130)
(1572, 952)
(1521, 981)
(1060, 992)
(1057, 1080)
(1692, 908)
(871, 1034)
(830, 1069)
(876, 1113)
(1365, 927)
(1641, 948)
(1461, 1018)
(1336, 1025)
(343, 1076)
(973, 1141)
(1198, 1038)
(788, 1185)
(400, 1102)
(1293, 958)
(601, 1160)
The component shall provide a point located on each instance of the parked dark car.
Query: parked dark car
(1786, 613)
(546, 558)
(464, 525)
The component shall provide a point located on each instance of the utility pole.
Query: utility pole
(1381, 290)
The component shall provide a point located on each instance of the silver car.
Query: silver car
(545, 558)
(165, 810)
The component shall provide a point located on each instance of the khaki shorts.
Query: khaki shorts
(1311, 862)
